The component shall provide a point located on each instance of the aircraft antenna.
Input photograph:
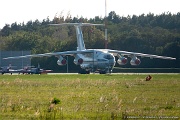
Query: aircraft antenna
(105, 20)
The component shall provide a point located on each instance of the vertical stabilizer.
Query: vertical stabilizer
(80, 40)
(79, 35)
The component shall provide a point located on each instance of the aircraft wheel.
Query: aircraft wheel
(102, 72)
(84, 72)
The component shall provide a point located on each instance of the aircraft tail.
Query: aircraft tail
(79, 34)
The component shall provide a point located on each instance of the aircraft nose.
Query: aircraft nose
(111, 62)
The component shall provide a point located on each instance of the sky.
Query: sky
(20, 11)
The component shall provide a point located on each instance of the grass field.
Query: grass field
(91, 96)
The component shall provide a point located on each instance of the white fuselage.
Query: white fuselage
(99, 60)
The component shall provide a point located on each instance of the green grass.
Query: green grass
(89, 96)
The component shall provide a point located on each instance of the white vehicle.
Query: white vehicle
(91, 60)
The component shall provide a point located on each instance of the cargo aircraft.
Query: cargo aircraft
(91, 60)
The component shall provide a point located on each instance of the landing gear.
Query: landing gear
(105, 72)
(102, 72)
(84, 72)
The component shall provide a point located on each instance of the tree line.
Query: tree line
(151, 34)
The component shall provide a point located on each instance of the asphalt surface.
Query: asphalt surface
(98, 73)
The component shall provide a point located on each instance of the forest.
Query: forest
(151, 34)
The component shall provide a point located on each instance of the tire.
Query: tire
(84, 72)
(102, 72)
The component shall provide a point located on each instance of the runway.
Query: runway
(115, 73)
(97, 74)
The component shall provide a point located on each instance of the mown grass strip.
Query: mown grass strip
(88, 96)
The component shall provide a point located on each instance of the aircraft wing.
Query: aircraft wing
(129, 54)
(71, 53)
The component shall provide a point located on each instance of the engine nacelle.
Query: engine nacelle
(78, 61)
(135, 61)
(61, 61)
(122, 61)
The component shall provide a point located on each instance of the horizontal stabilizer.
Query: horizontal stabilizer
(77, 24)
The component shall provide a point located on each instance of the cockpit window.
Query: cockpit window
(108, 56)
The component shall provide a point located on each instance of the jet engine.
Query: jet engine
(78, 60)
(61, 61)
(122, 61)
(135, 61)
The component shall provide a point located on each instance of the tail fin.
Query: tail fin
(80, 40)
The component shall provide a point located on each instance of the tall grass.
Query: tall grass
(89, 96)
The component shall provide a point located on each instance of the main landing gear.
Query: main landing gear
(84, 72)
(102, 72)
